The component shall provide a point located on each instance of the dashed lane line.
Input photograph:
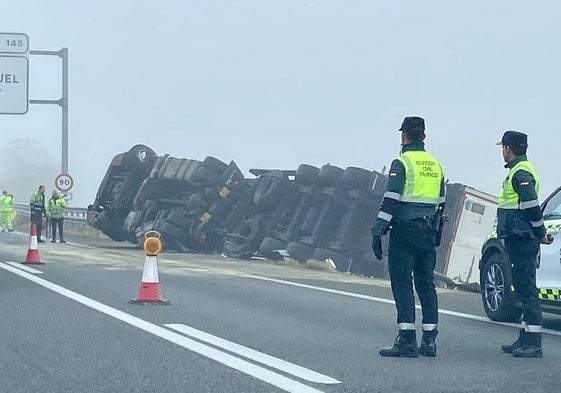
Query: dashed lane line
(263, 374)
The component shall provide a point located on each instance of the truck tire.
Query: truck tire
(299, 251)
(172, 167)
(306, 174)
(340, 262)
(357, 178)
(139, 156)
(214, 164)
(329, 175)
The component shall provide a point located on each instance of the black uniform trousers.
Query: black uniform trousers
(412, 256)
(37, 219)
(522, 253)
(54, 223)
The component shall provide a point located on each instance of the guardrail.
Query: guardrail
(74, 219)
(71, 213)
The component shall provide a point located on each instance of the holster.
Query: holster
(437, 225)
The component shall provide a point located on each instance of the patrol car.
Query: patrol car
(497, 291)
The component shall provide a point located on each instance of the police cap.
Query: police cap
(514, 138)
(413, 124)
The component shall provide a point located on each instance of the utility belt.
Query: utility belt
(409, 221)
(433, 222)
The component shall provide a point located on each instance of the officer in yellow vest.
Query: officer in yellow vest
(56, 207)
(412, 207)
(6, 208)
(520, 224)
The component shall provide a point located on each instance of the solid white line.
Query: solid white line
(250, 369)
(387, 301)
(26, 268)
(252, 354)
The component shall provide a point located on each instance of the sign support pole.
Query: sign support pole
(63, 102)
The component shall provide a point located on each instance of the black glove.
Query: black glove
(377, 247)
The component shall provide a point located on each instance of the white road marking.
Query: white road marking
(252, 354)
(248, 368)
(387, 301)
(24, 267)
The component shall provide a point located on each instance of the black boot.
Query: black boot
(519, 343)
(428, 345)
(405, 345)
(532, 347)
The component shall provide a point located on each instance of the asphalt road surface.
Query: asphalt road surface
(234, 326)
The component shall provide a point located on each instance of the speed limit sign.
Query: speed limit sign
(64, 182)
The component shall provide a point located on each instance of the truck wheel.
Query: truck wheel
(329, 175)
(299, 251)
(139, 156)
(357, 178)
(497, 297)
(305, 174)
(340, 262)
(214, 164)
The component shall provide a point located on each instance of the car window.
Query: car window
(553, 207)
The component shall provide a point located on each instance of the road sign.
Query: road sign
(64, 182)
(17, 43)
(14, 90)
(67, 196)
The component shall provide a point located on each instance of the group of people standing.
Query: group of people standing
(53, 212)
(411, 212)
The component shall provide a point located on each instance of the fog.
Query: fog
(276, 83)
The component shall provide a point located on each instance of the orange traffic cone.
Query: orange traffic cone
(33, 251)
(150, 286)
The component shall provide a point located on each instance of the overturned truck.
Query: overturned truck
(210, 206)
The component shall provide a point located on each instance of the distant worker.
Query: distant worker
(56, 215)
(520, 224)
(412, 207)
(6, 209)
(4, 194)
(37, 204)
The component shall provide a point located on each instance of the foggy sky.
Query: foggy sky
(273, 84)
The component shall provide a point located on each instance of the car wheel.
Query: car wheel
(495, 290)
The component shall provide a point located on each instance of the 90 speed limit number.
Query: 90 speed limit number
(64, 182)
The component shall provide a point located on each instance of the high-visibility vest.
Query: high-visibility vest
(6, 203)
(508, 198)
(56, 207)
(423, 177)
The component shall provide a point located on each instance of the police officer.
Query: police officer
(37, 204)
(56, 207)
(6, 209)
(520, 224)
(412, 207)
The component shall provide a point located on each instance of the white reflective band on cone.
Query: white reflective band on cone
(150, 273)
